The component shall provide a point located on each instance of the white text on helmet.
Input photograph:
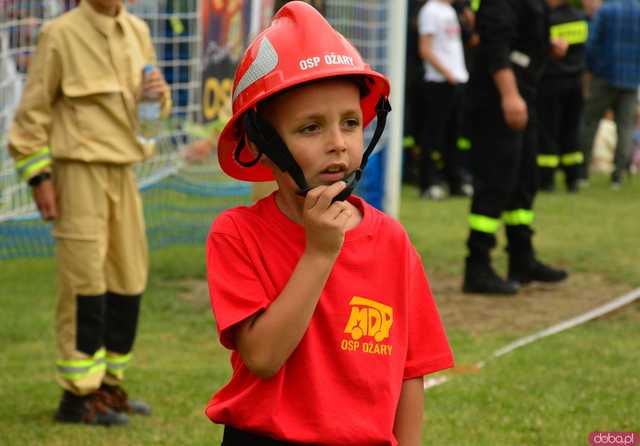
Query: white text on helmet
(311, 62)
(328, 59)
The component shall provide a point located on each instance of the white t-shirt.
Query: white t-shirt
(439, 19)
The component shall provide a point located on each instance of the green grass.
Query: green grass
(595, 230)
(553, 392)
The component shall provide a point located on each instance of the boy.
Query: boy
(73, 140)
(323, 300)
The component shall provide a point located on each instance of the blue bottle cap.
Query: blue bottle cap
(148, 68)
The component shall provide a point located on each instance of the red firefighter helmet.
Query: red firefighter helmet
(299, 46)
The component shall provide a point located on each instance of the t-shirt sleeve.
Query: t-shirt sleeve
(428, 348)
(428, 22)
(235, 290)
(496, 23)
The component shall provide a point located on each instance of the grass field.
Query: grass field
(552, 392)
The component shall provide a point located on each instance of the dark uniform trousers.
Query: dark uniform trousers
(505, 182)
(513, 34)
(560, 109)
(441, 160)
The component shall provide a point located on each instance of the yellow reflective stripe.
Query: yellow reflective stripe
(116, 365)
(518, 217)
(408, 141)
(118, 373)
(42, 151)
(475, 5)
(77, 369)
(548, 160)
(118, 362)
(483, 223)
(27, 166)
(571, 159)
(572, 32)
(464, 143)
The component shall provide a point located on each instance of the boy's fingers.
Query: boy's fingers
(337, 208)
(326, 196)
(312, 196)
(343, 217)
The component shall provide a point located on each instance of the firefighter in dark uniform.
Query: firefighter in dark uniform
(514, 46)
(466, 17)
(560, 100)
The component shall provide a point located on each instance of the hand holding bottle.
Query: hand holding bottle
(150, 105)
(153, 83)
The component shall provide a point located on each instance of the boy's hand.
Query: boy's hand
(325, 222)
(153, 84)
(44, 196)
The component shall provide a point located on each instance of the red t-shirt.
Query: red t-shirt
(375, 325)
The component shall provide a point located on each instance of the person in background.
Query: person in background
(74, 142)
(614, 66)
(514, 47)
(470, 39)
(441, 50)
(560, 101)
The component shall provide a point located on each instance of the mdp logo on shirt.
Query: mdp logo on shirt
(369, 321)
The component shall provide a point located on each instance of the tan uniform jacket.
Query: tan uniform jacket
(80, 99)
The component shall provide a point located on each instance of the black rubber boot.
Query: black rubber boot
(573, 186)
(479, 277)
(572, 177)
(527, 270)
(87, 409)
(523, 265)
(547, 179)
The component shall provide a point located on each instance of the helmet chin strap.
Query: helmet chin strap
(269, 142)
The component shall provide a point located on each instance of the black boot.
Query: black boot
(573, 187)
(479, 277)
(572, 177)
(87, 409)
(547, 179)
(523, 265)
(529, 269)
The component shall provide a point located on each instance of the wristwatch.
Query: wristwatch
(37, 179)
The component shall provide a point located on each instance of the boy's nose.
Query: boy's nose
(337, 140)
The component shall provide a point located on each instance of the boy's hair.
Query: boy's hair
(299, 46)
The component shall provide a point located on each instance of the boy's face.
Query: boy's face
(105, 5)
(321, 123)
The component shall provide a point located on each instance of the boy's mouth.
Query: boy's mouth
(333, 173)
(335, 168)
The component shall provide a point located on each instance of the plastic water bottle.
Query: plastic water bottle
(149, 108)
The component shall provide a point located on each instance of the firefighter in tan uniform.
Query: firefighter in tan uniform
(74, 141)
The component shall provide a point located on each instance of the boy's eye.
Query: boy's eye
(352, 123)
(310, 128)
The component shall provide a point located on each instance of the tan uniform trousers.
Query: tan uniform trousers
(101, 247)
